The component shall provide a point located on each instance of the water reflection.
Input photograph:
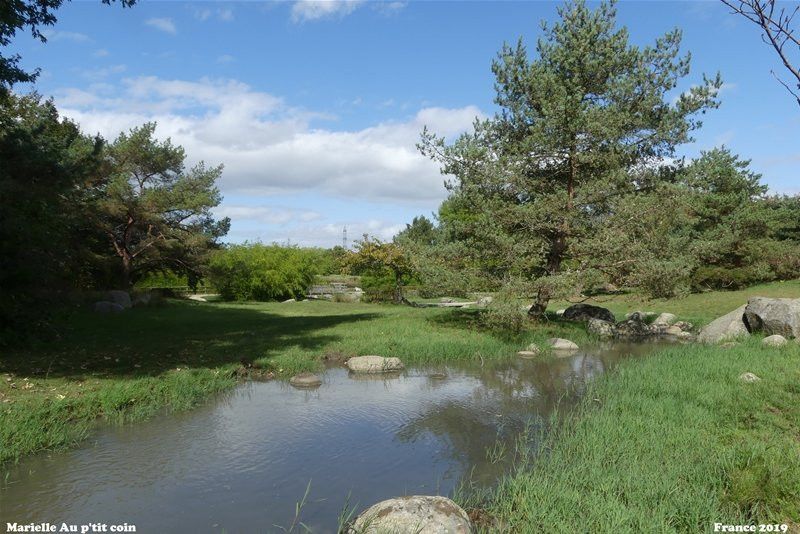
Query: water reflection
(242, 462)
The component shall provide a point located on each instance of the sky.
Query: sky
(315, 107)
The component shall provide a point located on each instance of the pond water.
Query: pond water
(243, 461)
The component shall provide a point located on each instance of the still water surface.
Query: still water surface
(242, 462)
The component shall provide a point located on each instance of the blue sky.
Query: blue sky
(314, 108)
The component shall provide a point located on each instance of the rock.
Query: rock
(108, 307)
(558, 343)
(415, 514)
(665, 318)
(683, 325)
(774, 341)
(600, 328)
(531, 351)
(728, 345)
(685, 335)
(373, 364)
(120, 297)
(560, 313)
(584, 312)
(634, 326)
(305, 380)
(142, 299)
(288, 300)
(748, 377)
(642, 315)
(773, 316)
(673, 331)
(729, 326)
(484, 302)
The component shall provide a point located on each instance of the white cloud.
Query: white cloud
(225, 58)
(304, 10)
(65, 36)
(101, 52)
(165, 25)
(225, 15)
(265, 214)
(269, 147)
(103, 72)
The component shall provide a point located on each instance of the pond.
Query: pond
(242, 462)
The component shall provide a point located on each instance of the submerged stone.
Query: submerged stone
(305, 380)
(373, 364)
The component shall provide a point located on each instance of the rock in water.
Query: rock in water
(773, 316)
(108, 307)
(415, 514)
(120, 297)
(600, 328)
(774, 341)
(557, 343)
(729, 326)
(634, 326)
(584, 312)
(305, 380)
(373, 364)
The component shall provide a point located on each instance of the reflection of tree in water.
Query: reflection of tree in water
(506, 398)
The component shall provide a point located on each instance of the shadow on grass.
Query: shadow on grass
(150, 341)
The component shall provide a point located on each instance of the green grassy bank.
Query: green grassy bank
(671, 443)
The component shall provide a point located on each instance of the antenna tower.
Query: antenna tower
(344, 238)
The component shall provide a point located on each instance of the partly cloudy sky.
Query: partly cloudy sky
(315, 107)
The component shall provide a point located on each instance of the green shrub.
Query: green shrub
(262, 272)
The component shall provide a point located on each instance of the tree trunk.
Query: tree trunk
(126, 271)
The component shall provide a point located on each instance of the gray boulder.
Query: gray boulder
(727, 327)
(600, 328)
(105, 306)
(531, 351)
(584, 312)
(414, 514)
(773, 316)
(305, 380)
(120, 297)
(673, 331)
(775, 340)
(373, 364)
(748, 377)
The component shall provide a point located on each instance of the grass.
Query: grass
(671, 443)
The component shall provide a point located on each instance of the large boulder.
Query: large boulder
(600, 328)
(584, 312)
(773, 316)
(105, 306)
(373, 364)
(729, 326)
(122, 298)
(414, 514)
